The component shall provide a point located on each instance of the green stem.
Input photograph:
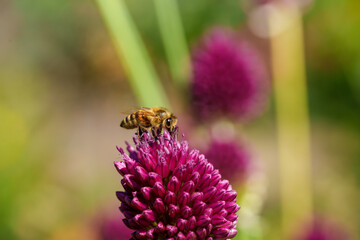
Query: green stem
(174, 40)
(131, 50)
(293, 129)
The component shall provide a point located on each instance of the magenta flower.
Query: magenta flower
(322, 229)
(112, 228)
(228, 78)
(172, 192)
(231, 158)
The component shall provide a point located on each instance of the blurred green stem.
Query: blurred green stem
(174, 40)
(131, 50)
(292, 117)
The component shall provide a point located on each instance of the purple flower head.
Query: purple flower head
(112, 228)
(231, 158)
(228, 78)
(322, 229)
(172, 192)
(298, 3)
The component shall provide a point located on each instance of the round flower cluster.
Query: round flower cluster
(232, 159)
(321, 228)
(111, 228)
(228, 78)
(172, 192)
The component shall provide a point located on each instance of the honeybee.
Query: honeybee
(155, 118)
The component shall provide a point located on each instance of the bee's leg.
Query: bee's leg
(141, 131)
(153, 132)
(176, 133)
(160, 130)
(168, 129)
(172, 132)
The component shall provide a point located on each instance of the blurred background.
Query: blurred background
(67, 77)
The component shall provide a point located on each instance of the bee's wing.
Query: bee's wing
(147, 111)
(130, 110)
(135, 109)
(144, 111)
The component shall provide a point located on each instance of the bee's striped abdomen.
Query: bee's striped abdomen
(130, 121)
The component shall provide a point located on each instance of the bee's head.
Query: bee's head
(170, 122)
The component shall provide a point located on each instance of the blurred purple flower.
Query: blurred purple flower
(112, 228)
(298, 3)
(172, 192)
(228, 78)
(231, 158)
(322, 229)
